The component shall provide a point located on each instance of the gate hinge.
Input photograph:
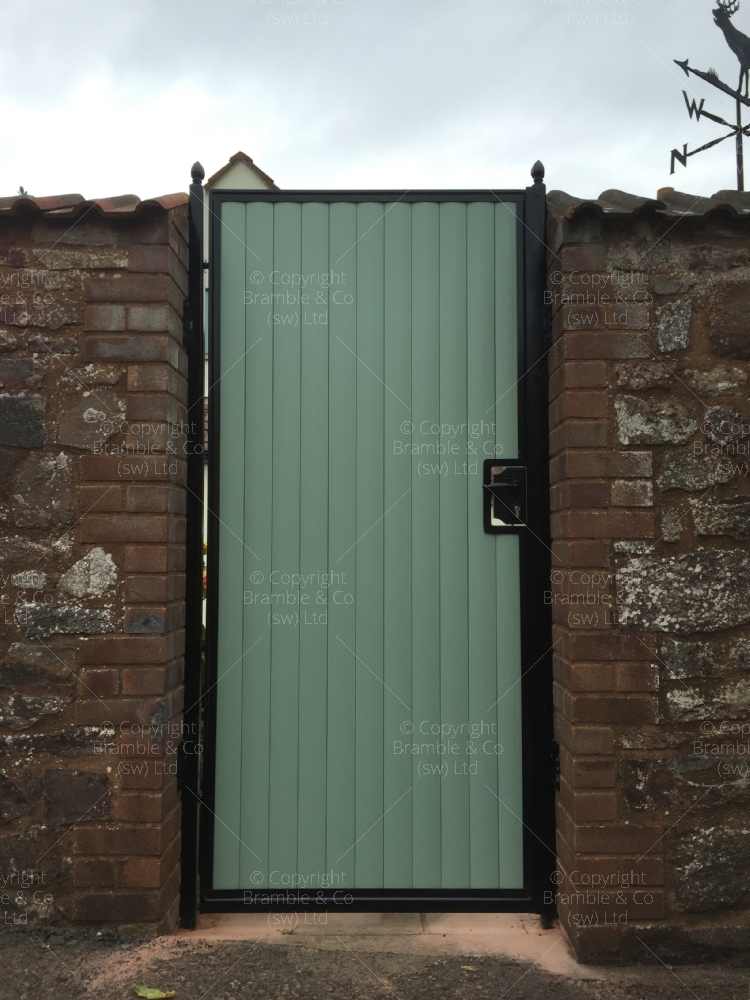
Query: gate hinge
(555, 758)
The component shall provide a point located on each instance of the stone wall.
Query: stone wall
(650, 589)
(92, 467)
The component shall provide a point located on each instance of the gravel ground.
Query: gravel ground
(71, 965)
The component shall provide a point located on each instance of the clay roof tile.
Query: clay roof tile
(75, 205)
(672, 204)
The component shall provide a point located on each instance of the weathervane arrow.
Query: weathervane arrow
(713, 79)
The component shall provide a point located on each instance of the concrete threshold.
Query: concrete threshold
(517, 936)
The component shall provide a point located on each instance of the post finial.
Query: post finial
(197, 172)
(537, 172)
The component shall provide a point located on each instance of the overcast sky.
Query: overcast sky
(107, 98)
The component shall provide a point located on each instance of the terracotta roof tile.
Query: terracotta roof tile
(74, 205)
(672, 204)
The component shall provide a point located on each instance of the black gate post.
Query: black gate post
(539, 799)
(193, 341)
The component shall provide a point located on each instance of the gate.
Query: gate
(378, 690)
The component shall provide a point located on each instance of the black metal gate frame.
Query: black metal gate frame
(538, 767)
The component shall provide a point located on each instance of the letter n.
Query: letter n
(681, 156)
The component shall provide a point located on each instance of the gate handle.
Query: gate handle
(504, 490)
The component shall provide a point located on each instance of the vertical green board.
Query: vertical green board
(285, 547)
(371, 504)
(482, 590)
(342, 548)
(425, 548)
(397, 609)
(258, 472)
(227, 833)
(368, 695)
(313, 631)
(454, 568)
(507, 558)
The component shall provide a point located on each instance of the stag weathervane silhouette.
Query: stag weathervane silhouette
(740, 45)
(737, 42)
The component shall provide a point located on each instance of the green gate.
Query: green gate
(371, 733)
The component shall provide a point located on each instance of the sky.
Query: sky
(105, 98)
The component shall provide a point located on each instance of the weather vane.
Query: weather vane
(740, 45)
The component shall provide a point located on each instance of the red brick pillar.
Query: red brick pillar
(133, 502)
(605, 678)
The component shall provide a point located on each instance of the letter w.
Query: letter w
(692, 107)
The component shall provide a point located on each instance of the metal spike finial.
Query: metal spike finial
(197, 172)
(537, 172)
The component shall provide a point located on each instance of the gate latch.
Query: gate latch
(504, 491)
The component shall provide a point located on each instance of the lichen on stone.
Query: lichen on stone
(715, 381)
(688, 470)
(653, 421)
(43, 495)
(671, 524)
(711, 867)
(91, 576)
(731, 518)
(702, 591)
(43, 620)
(643, 375)
(673, 325)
